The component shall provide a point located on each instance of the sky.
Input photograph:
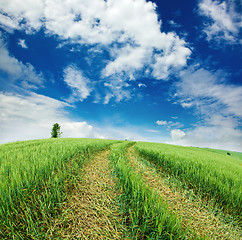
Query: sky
(157, 71)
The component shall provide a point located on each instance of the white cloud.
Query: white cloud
(107, 98)
(169, 124)
(177, 134)
(127, 60)
(33, 107)
(175, 56)
(224, 23)
(174, 24)
(128, 29)
(26, 15)
(152, 131)
(161, 122)
(174, 125)
(131, 77)
(61, 19)
(217, 132)
(141, 85)
(24, 73)
(117, 88)
(28, 117)
(8, 24)
(186, 104)
(209, 92)
(72, 129)
(218, 105)
(32, 116)
(22, 43)
(79, 84)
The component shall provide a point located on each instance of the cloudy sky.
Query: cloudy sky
(161, 71)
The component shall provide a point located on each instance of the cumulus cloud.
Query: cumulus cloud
(25, 74)
(161, 122)
(129, 30)
(22, 43)
(177, 134)
(73, 129)
(175, 56)
(26, 15)
(224, 22)
(169, 124)
(8, 24)
(141, 85)
(174, 24)
(31, 116)
(127, 60)
(79, 84)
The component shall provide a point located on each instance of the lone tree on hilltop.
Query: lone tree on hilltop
(55, 132)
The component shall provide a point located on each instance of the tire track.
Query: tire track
(203, 223)
(92, 210)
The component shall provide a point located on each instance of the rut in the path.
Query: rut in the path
(192, 211)
(92, 208)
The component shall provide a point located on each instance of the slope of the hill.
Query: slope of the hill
(118, 190)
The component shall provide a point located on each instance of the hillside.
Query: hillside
(237, 155)
(107, 189)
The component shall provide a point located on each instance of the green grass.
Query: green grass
(35, 179)
(37, 176)
(148, 215)
(212, 174)
(237, 155)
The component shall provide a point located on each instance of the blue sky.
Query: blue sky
(161, 71)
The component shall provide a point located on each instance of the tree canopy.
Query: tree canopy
(55, 132)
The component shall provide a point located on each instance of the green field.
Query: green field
(107, 189)
(237, 155)
(211, 173)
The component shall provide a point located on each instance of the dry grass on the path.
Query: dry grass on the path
(92, 211)
(193, 213)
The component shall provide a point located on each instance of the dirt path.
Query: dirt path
(192, 211)
(92, 209)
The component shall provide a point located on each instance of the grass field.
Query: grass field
(106, 189)
(233, 154)
(214, 175)
(34, 177)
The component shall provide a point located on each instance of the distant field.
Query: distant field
(233, 154)
(45, 183)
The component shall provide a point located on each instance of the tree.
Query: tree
(55, 132)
